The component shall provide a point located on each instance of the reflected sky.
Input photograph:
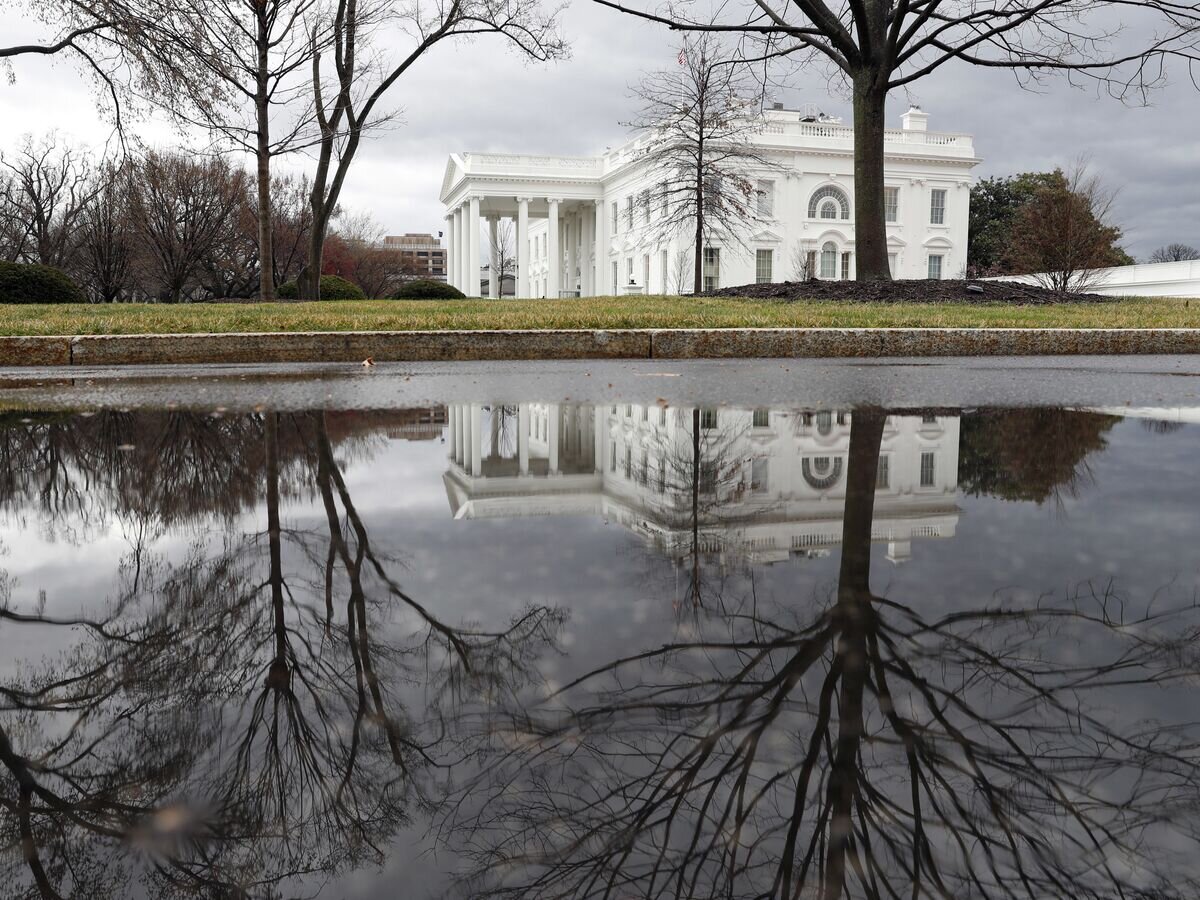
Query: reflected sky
(569, 650)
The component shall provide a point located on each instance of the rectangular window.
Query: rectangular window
(662, 474)
(646, 272)
(663, 263)
(616, 218)
(762, 417)
(883, 477)
(629, 210)
(664, 202)
(708, 418)
(892, 264)
(927, 469)
(758, 474)
(935, 266)
(829, 257)
(765, 193)
(612, 462)
(629, 270)
(891, 204)
(712, 268)
(628, 460)
(662, 416)
(937, 207)
(645, 414)
(616, 285)
(644, 202)
(762, 266)
(644, 472)
(845, 267)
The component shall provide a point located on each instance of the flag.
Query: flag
(682, 57)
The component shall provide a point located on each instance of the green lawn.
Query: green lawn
(606, 312)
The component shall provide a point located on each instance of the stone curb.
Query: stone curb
(716, 343)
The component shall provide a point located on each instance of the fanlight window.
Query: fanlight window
(821, 472)
(829, 202)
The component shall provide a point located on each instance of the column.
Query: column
(601, 277)
(599, 421)
(552, 439)
(454, 263)
(572, 250)
(451, 272)
(585, 252)
(523, 439)
(463, 281)
(460, 437)
(523, 248)
(473, 258)
(495, 276)
(554, 282)
(476, 449)
(453, 434)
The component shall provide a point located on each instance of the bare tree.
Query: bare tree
(348, 93)
(1174, 253)
(1062, 235)
(183, 209)
(804, 260)
(503, 255)
(879, 47)
(238, 68)
(106, 237)
(699, 151)
(49, 188)
(681, 265)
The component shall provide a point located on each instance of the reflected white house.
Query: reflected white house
(768, 484)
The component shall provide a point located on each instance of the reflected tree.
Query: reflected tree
(248, 719)
(854, 745)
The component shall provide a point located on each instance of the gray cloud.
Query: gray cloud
(480, 96)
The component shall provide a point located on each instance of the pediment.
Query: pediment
(766, 236)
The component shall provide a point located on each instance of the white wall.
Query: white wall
(1169, 279)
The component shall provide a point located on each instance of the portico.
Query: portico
(564, 192)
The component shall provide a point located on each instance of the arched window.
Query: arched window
(822, 472)
(837, 207)
(829, 259)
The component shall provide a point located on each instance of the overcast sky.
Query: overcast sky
(482, 97)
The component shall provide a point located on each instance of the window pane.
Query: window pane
(616, 219)
(712, 268)
(926, 470)
(766, 198)
(845, 267)
(884, 476)
(829, 257)
(762, 417)
(762, 266)
(937, 207)
(759, 474)
(935, 266)
(708, 418)
(891, 203)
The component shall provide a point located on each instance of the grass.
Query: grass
(603, 312)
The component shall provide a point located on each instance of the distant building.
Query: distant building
(585, 225)
(422, 255)
(1165, 279)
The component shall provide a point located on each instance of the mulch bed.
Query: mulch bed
(983, 293)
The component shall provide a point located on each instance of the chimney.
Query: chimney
(915, 119)
(776, 105)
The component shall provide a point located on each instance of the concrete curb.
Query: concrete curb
(717, 343)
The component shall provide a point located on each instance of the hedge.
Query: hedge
(426, 289)
(32, 283)
(333, 287)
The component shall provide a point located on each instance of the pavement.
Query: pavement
(1072, 381)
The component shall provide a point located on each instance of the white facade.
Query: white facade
(777, 487)
(1167, 279)
(585, 225)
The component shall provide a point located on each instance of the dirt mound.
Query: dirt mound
(910, 291)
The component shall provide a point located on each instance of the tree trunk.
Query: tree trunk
(266, 250)
(870, 229)
(698, 254)
(854, 615)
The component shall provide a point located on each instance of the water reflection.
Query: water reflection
(274, 685)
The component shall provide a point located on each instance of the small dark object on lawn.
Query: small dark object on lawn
(989, 293)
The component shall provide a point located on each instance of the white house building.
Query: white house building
(772, 482)
(584, 225)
